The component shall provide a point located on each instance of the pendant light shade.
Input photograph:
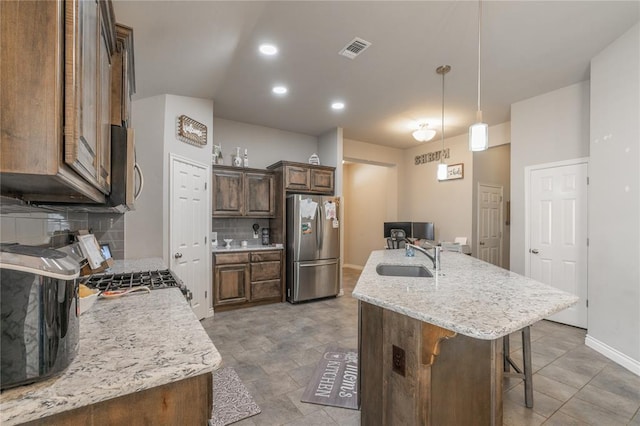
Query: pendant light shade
(423, 134)
(479, 134)
(442, 167)
(442, 171)
(479, 131)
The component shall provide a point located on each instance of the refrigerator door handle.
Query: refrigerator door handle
(320, 230)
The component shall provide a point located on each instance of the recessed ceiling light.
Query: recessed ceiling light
(279, 90)
(337, 105)
(268, 49)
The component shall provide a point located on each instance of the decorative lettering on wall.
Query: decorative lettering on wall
(431, 156)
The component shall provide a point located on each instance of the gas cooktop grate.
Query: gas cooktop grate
(152, 279)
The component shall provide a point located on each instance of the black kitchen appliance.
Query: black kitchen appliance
(265, 236)
(39, 315)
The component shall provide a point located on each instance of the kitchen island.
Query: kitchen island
(431, 348)
(143, 359)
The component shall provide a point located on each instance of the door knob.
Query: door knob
(177, 255)
(534, 251)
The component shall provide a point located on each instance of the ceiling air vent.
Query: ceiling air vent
(354, 48)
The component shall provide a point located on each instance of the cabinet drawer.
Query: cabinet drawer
(230, 258)
(265, 290)
(265, 271)
(263, 256)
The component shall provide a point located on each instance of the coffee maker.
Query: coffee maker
(265, 236)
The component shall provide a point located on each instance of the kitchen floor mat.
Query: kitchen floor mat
(231, 399)
(335, 380)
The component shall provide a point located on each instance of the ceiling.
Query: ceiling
(209, 49)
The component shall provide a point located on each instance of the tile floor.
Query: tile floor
(274, 349)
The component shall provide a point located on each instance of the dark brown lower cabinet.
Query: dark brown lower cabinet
(416, 373)
(243, 279)
(185, 402)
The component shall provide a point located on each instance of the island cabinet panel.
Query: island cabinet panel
(413, 372)
(186, 402)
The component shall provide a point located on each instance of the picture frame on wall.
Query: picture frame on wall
(455, 171)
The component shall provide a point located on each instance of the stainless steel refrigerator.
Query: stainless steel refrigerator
(313, 247)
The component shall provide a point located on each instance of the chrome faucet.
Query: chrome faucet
(436, 254)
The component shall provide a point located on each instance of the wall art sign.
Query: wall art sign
(455, 171)
(192, 132)
(431, 156)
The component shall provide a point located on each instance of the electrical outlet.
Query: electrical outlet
(399, 360)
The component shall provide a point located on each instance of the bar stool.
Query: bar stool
(524, 373)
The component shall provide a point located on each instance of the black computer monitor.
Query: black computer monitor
(405, 226)
(423, 231)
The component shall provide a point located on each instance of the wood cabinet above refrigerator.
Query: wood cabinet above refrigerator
(55, 93)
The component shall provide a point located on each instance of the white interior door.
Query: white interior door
(558, 234)
(490, 224)
(190, 254)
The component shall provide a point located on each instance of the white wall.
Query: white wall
(143, 226)
(154, 120)
(448, 203)
(265, 145)
(366, 194)
(330, 146)
(614, 202)
(547, 128)
(370, 188)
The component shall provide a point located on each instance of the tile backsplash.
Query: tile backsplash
(109, 228)
(238, 229)
(39, 227)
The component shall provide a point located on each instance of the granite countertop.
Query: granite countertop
(236, 248)
(468, 295)
(127, 344)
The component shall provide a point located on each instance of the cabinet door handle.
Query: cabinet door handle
(534, 251)
(481, 243)
(177, 255)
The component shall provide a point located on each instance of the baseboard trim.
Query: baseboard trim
(613, 354)
(351, 266)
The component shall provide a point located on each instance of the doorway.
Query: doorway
(556, 232)
(490, 235)
(189, 218)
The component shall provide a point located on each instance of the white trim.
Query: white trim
(478, 201)
(527, 193)
(613, 354)
(352, 266)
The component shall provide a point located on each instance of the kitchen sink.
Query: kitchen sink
(403, 270)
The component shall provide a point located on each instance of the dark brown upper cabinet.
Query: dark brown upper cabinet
(242, 192)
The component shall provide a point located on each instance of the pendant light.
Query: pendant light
(479, 131)
(442, 167)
